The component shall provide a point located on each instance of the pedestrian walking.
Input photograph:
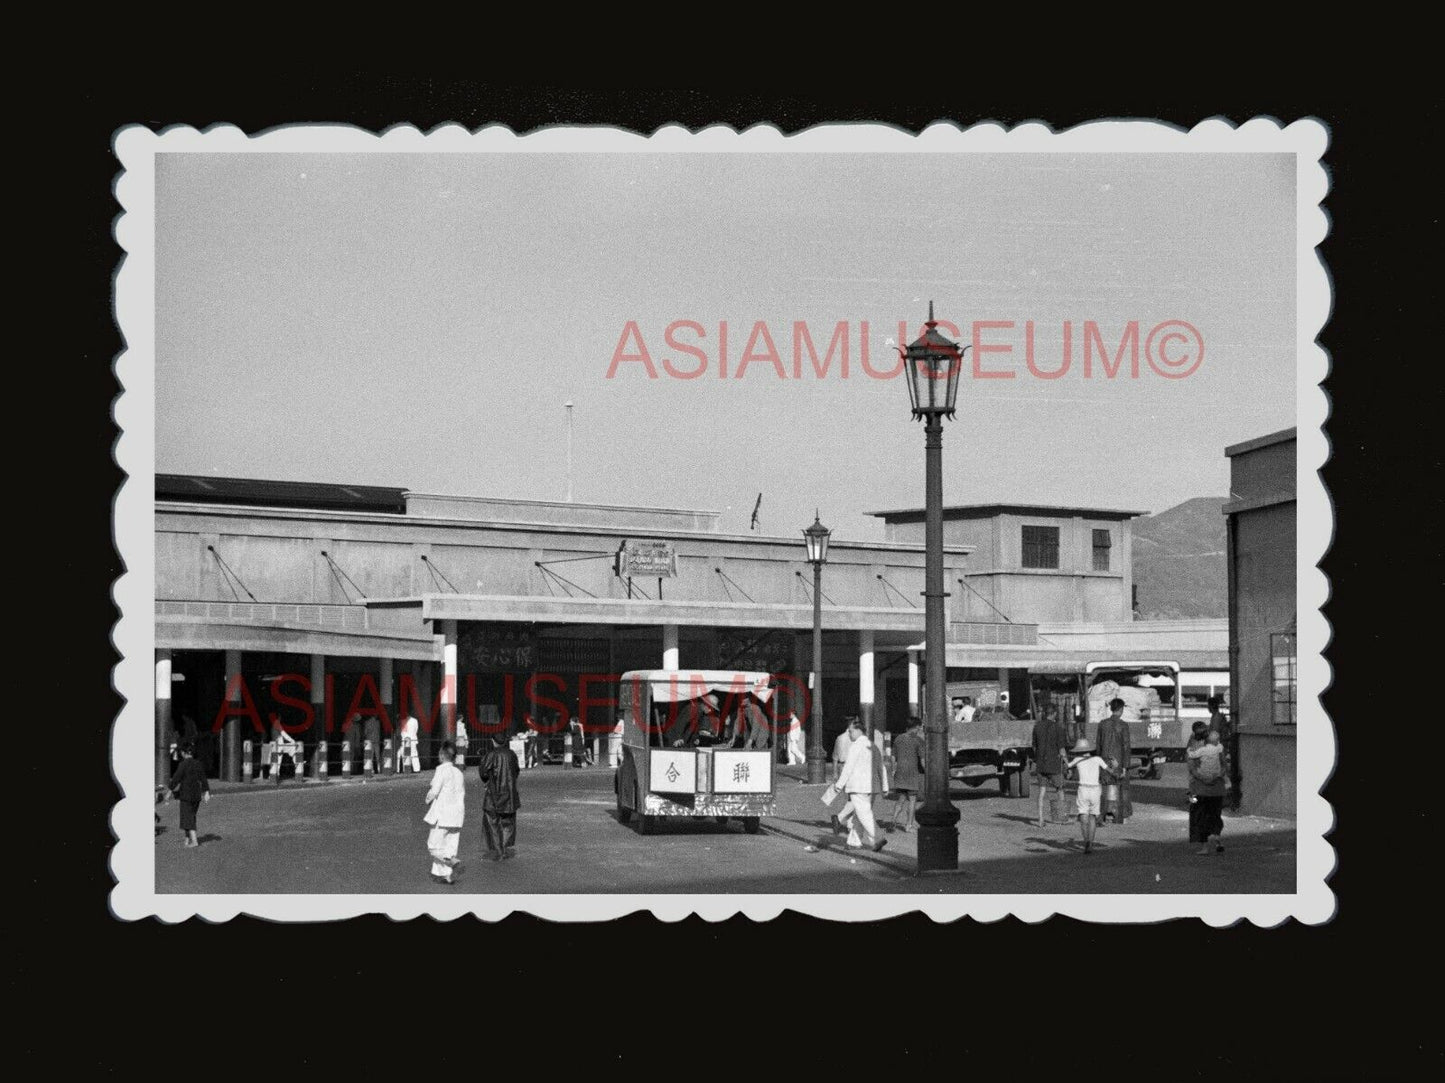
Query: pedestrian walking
(862, 777)
(191, 787)
(1116, 746)
(1208, 784)
(283, 744)
(579, 741)
(841, 744)
(907, 772)
(1090, 767)
(408, 752)
(797, 741)
(446, 798)
(852, 732)
(500, 800)
(1049, 757)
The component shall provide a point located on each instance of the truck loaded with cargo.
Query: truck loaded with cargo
(994, 740)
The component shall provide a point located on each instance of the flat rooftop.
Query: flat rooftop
(1281, 437)
(988, 511)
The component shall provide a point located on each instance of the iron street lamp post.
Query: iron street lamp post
(816, 537)
(933, 365)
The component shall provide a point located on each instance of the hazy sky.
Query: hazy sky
(419, 320)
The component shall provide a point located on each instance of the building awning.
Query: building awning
(1045, 659)
(635, 611)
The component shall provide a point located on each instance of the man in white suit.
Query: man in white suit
(446, 797)
(862, 777)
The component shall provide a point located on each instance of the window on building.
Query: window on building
(1103, 542)
(1282, 653)
(1041, 547)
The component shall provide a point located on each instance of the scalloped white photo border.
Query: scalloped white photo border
(132, 859)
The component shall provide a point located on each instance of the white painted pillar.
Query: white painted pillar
(165, 725)
(913, 682)
(449, 680)
(865, 680)
(231, 729)
(671, 656)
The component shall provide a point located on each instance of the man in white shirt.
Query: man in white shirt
(797, 746)
(862, 777)
(1090, 768)
(283, 744)
(408, 749)
(964, 710)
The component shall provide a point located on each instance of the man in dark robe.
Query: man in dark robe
(1117, 749)
(498, 769)
(1049, 760)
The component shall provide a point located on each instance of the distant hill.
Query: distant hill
(1179, 561)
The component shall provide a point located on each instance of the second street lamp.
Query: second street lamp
(816, 538)
(932, 366)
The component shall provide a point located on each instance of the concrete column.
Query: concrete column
(865, 680)
(449, 681)
(671, 657)
(231, 728)
(318, 708)
(913, 682)
(165, 724)
(386, 681)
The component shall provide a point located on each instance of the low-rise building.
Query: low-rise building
(1262, 547)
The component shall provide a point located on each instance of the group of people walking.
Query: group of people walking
(1102, 772)
(446, 807)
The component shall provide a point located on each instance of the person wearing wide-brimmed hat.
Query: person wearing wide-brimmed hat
(1088, 765)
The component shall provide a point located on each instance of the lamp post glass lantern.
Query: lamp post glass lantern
(816, 539)
(933, 365)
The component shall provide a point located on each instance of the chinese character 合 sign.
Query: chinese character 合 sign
(673, 771)
(647, 560)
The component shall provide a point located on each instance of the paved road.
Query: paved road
(369, 838)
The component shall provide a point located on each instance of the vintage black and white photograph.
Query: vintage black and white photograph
(853, 521)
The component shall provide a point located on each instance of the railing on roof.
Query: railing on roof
(993, 633)
(349, 617)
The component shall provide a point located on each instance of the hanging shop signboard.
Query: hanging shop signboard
(647, 560)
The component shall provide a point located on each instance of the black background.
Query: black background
(1178, 1000)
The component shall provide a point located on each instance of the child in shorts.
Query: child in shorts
(1208, 758)
(1088, 766)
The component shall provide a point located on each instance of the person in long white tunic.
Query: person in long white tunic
(862, 777)
(446, 798)
(408, 749)
(797, 746)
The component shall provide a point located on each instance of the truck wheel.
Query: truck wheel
(752, 824)
(1006, 784)
(1023, 783)
(623, 812)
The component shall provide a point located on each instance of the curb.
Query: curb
(291, 785)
